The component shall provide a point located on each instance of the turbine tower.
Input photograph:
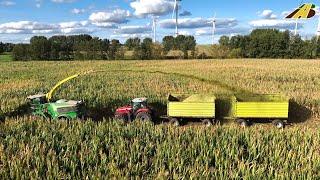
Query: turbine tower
(213, 28)
(176, 14)
(296, 28)
(154, 28)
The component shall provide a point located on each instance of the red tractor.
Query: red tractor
(137, 110)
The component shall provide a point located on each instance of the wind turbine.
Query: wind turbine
(154, 28)
(176, 14)
(296, 28)
(213, 27)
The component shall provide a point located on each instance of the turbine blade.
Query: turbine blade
(174, 8)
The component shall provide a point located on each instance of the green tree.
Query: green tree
(105, 45)
(114, 47)
(132, 43)
(157, 51)
(144, 50)
(296, 46)
(2, 46)
(224, 41)
(21, 52)
(40, 48)
(168, 43)
(62, 48)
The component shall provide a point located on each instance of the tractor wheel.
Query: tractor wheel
(174, 122)
(121, 117)
(143, 116)
(207, 122)
(243, 123)
(278, 123)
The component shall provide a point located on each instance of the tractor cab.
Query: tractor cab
(138, 109)
(139, 103)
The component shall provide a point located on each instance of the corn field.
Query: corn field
(101, 148)
(106, 149)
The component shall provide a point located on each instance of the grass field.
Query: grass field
(94, 149)
(5, 57)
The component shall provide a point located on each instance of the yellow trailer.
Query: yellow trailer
(261, 106)
(196, 106)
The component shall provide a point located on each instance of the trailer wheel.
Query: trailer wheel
(243, 123)
(207, 122)
(174, 122)
(278, 123)
(143, 116)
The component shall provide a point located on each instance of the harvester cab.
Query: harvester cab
(42, 106)
(37, 99)
(137, 110)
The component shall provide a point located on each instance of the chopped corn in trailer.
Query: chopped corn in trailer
(196, 106)
(273, 107)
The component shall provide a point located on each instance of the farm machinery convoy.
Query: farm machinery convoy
(203, 107)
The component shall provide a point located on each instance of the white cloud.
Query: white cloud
(123, 37)
(105, 25)
(154, 7)
(29, 27)
(275, 23)
(133, 29)
(268, 14)
(38, 3)
(317, 9)
(117, 16)
(185, 32)
(221, 31)
(73, 24)
(78, 11)
(7, 3)
(270, 20)
(77, 31)
(192, 23)
(16, 39)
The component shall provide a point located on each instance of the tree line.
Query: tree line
(6, 47)
(267, 43)
(260, 43)
(86, 47)
(80, 47)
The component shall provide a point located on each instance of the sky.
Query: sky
(122, 19)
